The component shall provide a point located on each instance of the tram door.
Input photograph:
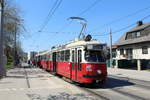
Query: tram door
(76, 55)
(54, 61)
(74, 65)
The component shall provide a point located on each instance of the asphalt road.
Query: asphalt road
(123, 88)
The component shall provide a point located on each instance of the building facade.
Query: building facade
(32, 55)
(132, 50)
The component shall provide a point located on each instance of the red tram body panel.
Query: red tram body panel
(49, 66)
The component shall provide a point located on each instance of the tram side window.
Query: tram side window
(50, 57)
(67, 55)
(62, 56)
(79, 59)
(57, 56)
(79, 56)
(47, 56)
(73, 66)
(44, 57)
(73, 56)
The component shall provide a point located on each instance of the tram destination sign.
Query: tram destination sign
(95, 47)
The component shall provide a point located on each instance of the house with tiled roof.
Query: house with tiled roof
(133, 48)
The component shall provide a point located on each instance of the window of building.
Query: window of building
(138, 34)
(129, 36)
(121, 51)
(145, 50)
(129, 52)
(114, 53)
(146, 31)
(133, 35)
(67, 55)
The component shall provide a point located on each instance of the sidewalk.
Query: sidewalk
(134, 74)
(37, 84)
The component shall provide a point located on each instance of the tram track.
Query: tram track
(100, 94)
(133, 96)
(103, 95)
(136, 83)
(94, 93)
(119, 91)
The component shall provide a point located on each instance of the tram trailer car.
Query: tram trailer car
(38, 61)
(44, 60)
(41, 60)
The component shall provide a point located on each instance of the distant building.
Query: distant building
(25, 56)
(32, 55)
(132, 50)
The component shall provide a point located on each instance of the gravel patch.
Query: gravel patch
(62, 96)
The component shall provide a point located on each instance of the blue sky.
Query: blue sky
(34, 13)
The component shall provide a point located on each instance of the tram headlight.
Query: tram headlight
(99, 71)
(89, 68)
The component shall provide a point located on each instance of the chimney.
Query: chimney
(139, 23)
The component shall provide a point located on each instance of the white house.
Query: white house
(134, 47)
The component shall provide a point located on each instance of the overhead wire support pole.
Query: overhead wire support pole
(110, 35)
(2, 67)
(15, 42)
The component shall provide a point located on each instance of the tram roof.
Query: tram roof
(43, 52)
(77, 42)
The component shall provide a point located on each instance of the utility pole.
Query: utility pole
(2, 67)
(15, 40)
(110, 48)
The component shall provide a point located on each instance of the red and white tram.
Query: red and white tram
(79, 60)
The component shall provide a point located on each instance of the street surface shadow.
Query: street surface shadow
(115, 83)
(17, 72)
(110, 83)
(15, 76)
(5, 82)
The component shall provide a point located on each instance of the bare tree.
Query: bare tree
(13, 27)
